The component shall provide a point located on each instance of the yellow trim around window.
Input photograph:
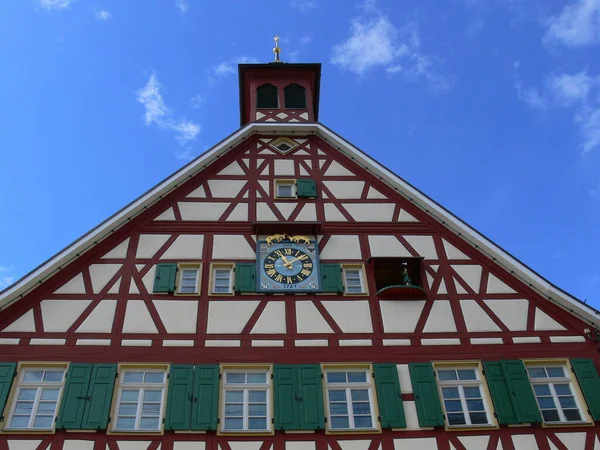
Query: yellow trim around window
(181, 267)
(589, 421)
(221, 265)
(271, 400)
(11, 396)
(291, 181)
(363, 274)
(487, 397)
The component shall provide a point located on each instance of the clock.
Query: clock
(288, 264)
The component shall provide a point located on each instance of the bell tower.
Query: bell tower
(279, 92)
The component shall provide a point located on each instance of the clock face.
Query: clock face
(288, 266)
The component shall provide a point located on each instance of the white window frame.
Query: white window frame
(213, 274)
(348, 386)
(39, 386)
(246, 388)
(460, 384)
(141, 387)
(551, 381)
(362, 277)
(184, 267)
(286, 182)
(282, 140)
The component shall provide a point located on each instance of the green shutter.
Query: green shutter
(74, 398)
(245, 277)
(99, 397)
(589, 382)
(285, 382)
(206, 397)
(501, 396)
(306, 188)
(7, 373)
(427, 397)
(181, 390)
(164, 280)
(310, 397)
(389, 396)
(331, 278)
(518, 384)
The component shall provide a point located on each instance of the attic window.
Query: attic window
(266, 97)
(295, 96)
(283, 145)
(398, 277)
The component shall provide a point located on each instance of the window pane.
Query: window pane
(284, 190)
(257, 396)
(475, 405)
(233, 424)
(154, 377)
(129, 395)
(49, 394)
(152, 395)
(453, 405)
(46, 408)
(127, 409)
(447, 375)
(359, 395)
(33, 375)
(478, 418)
(149, 423)
(451, 392)
(19, 422)
(357, 377)
(24, 408)
(234, 409)
(125, 423)
(234, 396)
(567, 402)
(572, 415)
(456, 419)
(133, 377)
(257, 409)
(257, 423)
(337, 396)
(555, 372)
(235, 378)
(361, 408)
(550, 415)
(257, 378)
(151, 409)
(27, 394)
(336, 377)
(472, 392)
(562, 389)
(546, 402)
(54, 375)
(363, 422)
(188, 289)
(467, 374)
(537, 372)
(542, 389)
(338, 409)
(43, 422)
(340, 422)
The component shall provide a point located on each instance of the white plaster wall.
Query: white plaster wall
(475, 442)
(76, 444)
(182, 445)
(232, 169)
(26, 444)
(59, 315)
(573, 441)
(202, 211)
(272, 319)
(544, 322)
(101, 318)
(186, 246)
(284, 167)
(342, 247)
(225, 188)
(148, 279)
(169, 214)
(197, 193)
(440, 318)
(375, 194)
(333, 214)
(452, 252)
(513, 313)
(137, 318)
(302, 445)
(308, 213)
(412, 419)
(286, 208)
(73, 286)
(370, 212)
(149, 244)
(25, 323)
(351, 316)
(336, 169)
(114, 289)
(406, 217)
(387, 246)
(178, 316)
(231, 246)
(496, 286)
(264, 213)
(101, 274)
(429, 443)
(471, 274)
(120, 251)
(239, 213)
(476, 319)
(400, 316)
(404, 378)
(524, 442)
(345, 189)
(309, 319)
(423, 245)
(226, 316)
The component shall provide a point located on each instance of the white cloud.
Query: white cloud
(589, 123)
(101, 14)
(577, 24)
(570, 89)
(305, 39)
(531, 96)
(6, 277)
(182, 5)
(156, 112)
(304, 5)
(54, 4)
(229, 67)
(197, 101)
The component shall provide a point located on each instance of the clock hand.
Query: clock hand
(286, 263)
(293, 260)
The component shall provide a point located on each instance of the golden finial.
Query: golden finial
(276, 50)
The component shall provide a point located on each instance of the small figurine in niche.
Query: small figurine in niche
(405, 276)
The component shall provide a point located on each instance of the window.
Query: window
(189, 279)
(295, 96)
(463, 397)
(354, 279)
(222, 279)
(554, 393)
(246, 405)
(350, 399)
(283, 145)
(36, 398)
(285, 188)
(398, 277)
(140, 400)
(266, 96)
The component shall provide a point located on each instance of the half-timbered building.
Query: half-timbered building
(285, 291)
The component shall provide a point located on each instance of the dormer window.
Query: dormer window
(295, 96)
(266, 97)
(398, 277)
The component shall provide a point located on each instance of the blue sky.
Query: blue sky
(491, 107)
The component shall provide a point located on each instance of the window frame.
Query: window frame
(223, 387)
(481, 381)
(181, 267)
(11, 401)
(286, 181)
(304, 89)
(277, 93)
(363, 279)
(121, 370)
(282, 140)
(573, 385)
(372, 392)
(222, 265)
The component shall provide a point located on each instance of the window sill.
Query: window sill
(354, 431)
(567, 424)
(471, 427)
(246, 433)
(135, 432)
(29, 431)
